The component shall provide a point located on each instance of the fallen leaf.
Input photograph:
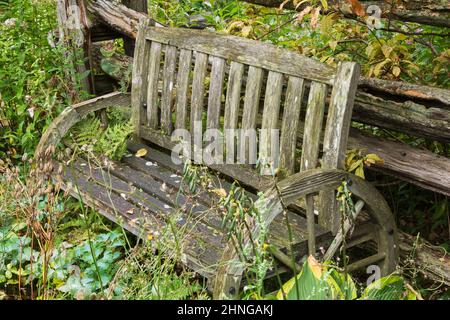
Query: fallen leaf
(220, 192)
(357, 8)
(141, 152)
(303, 13)
(315, 17)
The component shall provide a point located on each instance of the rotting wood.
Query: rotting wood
(139, 6)
(310, 152)
(289, 126)
(336, 135)
(73, 114)
(74, 32)
(431, 12)
(182, 88)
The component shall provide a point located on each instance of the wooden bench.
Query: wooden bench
(181, 77)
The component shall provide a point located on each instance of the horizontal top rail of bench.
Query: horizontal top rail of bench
(250, 52)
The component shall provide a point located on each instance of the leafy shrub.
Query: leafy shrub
(32, 71)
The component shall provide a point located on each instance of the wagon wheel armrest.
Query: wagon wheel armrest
(74, 114)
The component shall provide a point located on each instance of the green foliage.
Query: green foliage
(32, 74)
(319, 282)
(71, 270)
(110, 142)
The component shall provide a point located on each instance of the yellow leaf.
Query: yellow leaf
(360, 172)
(379, 67)
(141, 152)
(355, 165)
(324, 4)
(315, 266)
(374, 157)
(246, 31)
(333, 45)
(396, 71)
(386, 51)
(220, 192)
(303, 13)
(315, 17)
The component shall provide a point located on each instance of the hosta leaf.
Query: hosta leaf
(387, 288)
(310, 284)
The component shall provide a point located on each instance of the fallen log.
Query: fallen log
(430, 12)
(417, 254)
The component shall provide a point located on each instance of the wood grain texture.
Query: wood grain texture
(311, 145)
(215, 92)
(250, 111)
(313, 126)
(382, 104)
(139, 79)
(289, 126)
(232, 105)
(152, 84)
(198, 88)
(336, 136)
(268, 158)
(250, 52)
(184, 69)
(168, 88)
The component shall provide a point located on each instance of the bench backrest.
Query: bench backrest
(181, 76)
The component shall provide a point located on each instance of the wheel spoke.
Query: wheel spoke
(340, 236)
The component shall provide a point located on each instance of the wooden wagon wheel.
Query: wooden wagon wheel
(288, 191)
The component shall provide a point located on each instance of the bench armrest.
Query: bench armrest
(74, 114)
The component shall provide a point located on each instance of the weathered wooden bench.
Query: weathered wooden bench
(181, 77)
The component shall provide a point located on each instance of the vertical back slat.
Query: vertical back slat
(139, 80)
(251, 104)
(215, 92)
(168, 88)
(232, 103)
(198, 88)
(152, 91)
(271, 112)
(289, 126)
(336, 135)
(310, 151)
(233, 95)
(184, 68)
(313, 126)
